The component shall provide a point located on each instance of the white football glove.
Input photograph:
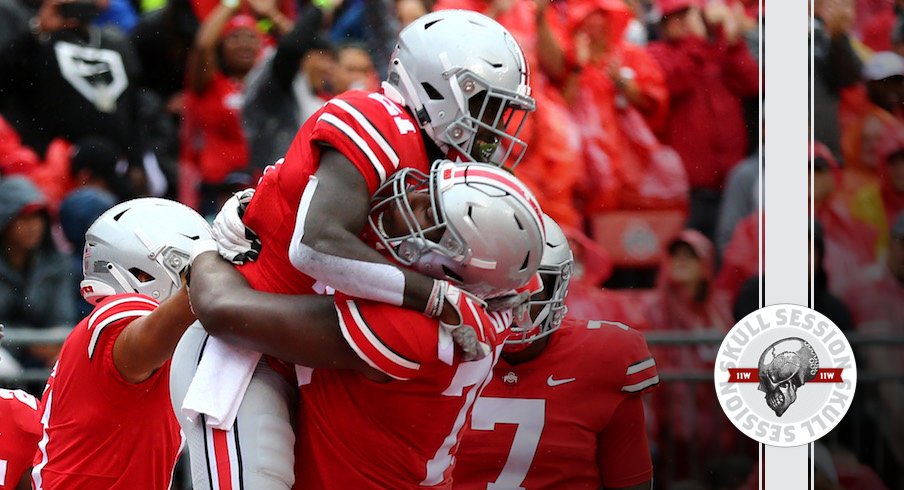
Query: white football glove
(236, 242)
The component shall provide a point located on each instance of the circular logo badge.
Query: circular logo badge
(785, 375)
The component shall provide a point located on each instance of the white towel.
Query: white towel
(220, 382)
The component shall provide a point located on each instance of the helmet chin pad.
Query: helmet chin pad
(94, 291)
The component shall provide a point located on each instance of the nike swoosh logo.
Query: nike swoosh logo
(556, 382)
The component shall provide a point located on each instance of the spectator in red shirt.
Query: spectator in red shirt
(225, 50)
(708, 70)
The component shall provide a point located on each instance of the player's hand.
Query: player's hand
(236, 242)
(475, 332)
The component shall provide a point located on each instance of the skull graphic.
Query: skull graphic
(784, 367)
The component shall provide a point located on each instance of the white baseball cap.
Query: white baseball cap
(883, 65)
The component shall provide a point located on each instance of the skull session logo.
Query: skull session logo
(785, 375)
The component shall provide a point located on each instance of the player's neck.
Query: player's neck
(528, 354)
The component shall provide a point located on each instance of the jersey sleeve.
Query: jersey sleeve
(113, 310)
(367, 131)
(393, 340)
(623, 453)
(640, 372)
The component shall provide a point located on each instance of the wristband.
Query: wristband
(437, 299)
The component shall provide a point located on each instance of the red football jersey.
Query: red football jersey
(570, 418)
(356, 433)
(376, 134)
(20, 430)
(100, 431)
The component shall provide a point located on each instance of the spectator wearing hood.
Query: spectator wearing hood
(708, 70)
(35, 280)
(688, 302)
(617, 93)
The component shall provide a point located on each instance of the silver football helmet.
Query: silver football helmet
(475, 225)
(465, 78)
(140, 246)
(556, 270)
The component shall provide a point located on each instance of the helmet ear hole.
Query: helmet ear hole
(141, 275)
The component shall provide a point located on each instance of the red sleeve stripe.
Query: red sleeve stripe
(358, 141)
(369, 347)
(371, 130)
(640, 366)
(637, 387)
(110, 320)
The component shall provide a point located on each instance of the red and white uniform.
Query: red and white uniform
(20, 430)
(99, 430)
(376, 134)
(570, 418)
(356, 433)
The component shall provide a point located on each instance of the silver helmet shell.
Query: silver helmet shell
(556, 270)
(484, 231)
(465, 78)
(140, 246)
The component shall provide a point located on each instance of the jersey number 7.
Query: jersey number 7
(529, 415)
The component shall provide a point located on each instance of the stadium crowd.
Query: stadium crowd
(643, 147)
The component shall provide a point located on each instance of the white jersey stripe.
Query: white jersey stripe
(36, 479)
(348, 338)
(640, 366)
(359, 142)
(376, 342)
(639, 386)
(371, 130)
(116, 302)
(111, 319)
(233, 459)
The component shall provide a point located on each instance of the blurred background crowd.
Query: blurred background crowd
(644, 147)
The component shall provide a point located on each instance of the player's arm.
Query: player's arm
(331, 251)
(623, 453)
(149, 341)
(298, 329)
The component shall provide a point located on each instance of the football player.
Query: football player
(20, 430)
(563, 407)
(389, 410)
(457, 87)
(106, 413)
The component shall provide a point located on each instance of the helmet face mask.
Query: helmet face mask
(487, 131)
(465, 79)
(548, 306)
(140, 246)
(474, 225)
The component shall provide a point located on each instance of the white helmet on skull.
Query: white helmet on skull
(475, 225)
(465, 79)
(140, 246)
